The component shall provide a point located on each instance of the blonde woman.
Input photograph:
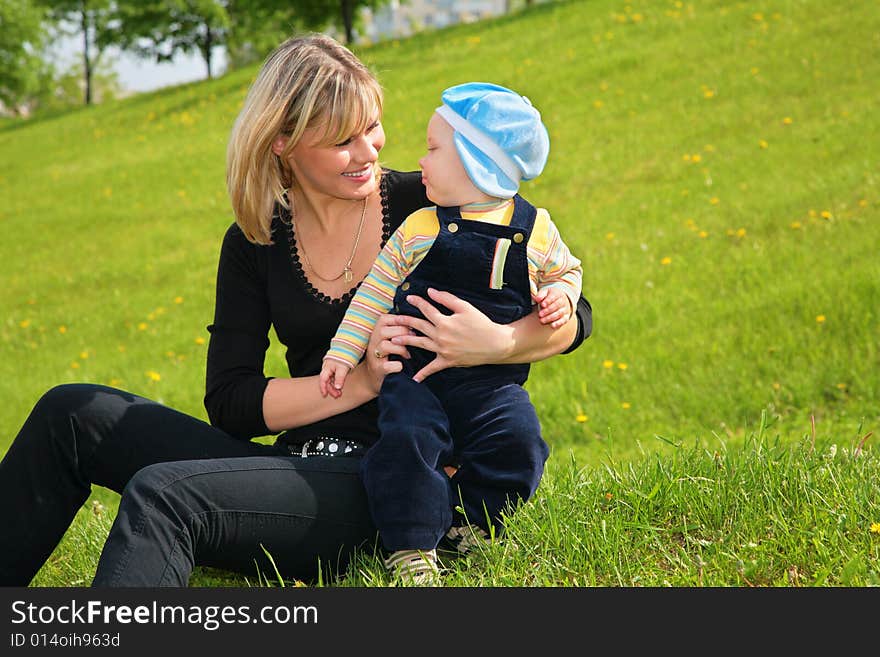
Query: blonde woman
(313, 207)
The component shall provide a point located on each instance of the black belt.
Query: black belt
(325, 446)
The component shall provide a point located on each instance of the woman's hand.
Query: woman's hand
(380, 346)
(465, 338)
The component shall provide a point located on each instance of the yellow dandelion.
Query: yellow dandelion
(708, 93)
(622, 366)
(24, 323)
(115, 382)
(875, 527)
(580, 417)
(62, 329)
(609, 236)
(74, 365)
(703, 234)
(120, 348)
(820, 319)
(151, 316)
(625, 405)
(83, 355)
(170, 354)
(598, 104)
(108, 192)
(153, 376)
(714, 200)
(142, 326)
(786, 120)
(763, 144)
(841, 386)
(608, 496)
(200, 340)
(666, 260)
(181, 193)
(607, 364)
(863, 202)
(696, 158)
(826, 214)
(473, 40)
(795, 224)
(741, 232)
(178, 299)
(754, 70)
(776, 385)
(812, 213)
(758, 16)
(686, 157)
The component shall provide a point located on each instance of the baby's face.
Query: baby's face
(443, 174)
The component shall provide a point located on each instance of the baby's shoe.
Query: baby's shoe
(414, 567)
(464, 538)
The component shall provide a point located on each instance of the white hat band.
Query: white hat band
(481, 141)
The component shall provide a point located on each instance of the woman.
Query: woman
(313, 208)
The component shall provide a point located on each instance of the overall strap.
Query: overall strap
(445, 215)
(524, 214)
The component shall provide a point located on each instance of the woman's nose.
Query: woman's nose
(366, 149)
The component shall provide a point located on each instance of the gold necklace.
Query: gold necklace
(346, 271)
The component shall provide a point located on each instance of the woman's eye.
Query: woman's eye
(350, 139)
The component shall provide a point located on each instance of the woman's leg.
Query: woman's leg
(223, 512)
(78, 435)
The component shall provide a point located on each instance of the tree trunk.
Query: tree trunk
(347, 20)
(87, 60)
(207, 47)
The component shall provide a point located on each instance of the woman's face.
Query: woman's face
(346, 170)
(443, 175)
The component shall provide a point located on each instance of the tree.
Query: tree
(21, 41)
(160, 29)
(348, 10)
(92, 20)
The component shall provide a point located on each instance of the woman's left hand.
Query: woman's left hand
(465, 338)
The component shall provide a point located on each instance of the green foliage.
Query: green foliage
(713, 167)
(21, 41)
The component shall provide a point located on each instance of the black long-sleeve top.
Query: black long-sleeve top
(263, 286)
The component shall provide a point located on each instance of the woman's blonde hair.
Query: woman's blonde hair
(308, 81)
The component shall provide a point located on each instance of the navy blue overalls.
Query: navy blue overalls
(478, 418)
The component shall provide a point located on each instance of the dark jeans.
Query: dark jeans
(476, 418)
(191, 494)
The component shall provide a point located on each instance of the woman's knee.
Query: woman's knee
(63, 400)
(160, 486)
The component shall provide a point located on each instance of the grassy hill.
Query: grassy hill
(714, 164)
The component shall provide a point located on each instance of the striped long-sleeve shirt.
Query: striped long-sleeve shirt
(550, 262)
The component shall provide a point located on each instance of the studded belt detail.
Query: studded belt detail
(326, 446)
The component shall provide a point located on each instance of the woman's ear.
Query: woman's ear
(279, 144)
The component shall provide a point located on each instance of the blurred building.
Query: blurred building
(402, 18)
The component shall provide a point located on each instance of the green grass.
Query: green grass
(713, 164)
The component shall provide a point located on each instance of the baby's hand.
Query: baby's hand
(555, 306)
(332, 378)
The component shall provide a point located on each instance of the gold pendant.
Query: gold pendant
(348, 275)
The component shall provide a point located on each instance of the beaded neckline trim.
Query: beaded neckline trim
(298, 270)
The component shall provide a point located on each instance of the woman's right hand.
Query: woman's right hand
(378, 366)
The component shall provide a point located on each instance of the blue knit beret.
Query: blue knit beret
(498, 134)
